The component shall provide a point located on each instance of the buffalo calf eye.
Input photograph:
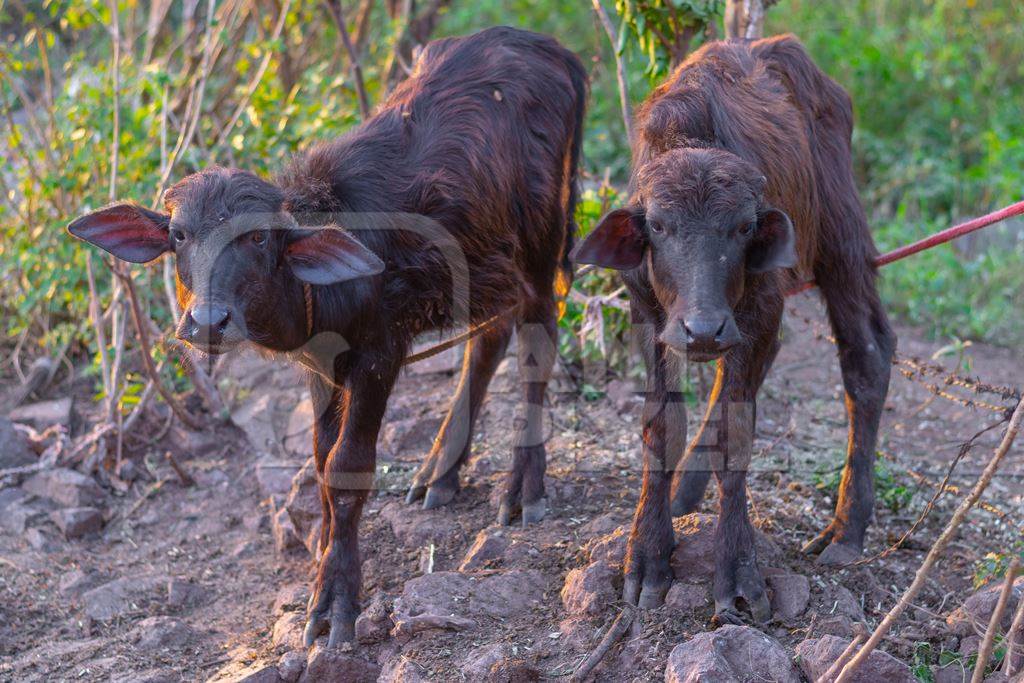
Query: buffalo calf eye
(748, 228)
(178, 235)
(260, 237)
(656, 228)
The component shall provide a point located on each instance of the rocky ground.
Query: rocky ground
(194, 565)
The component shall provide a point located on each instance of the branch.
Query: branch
(615, 631)
(939, 548)
(1011, 639)
(993, 624)
(186, 418)
(620, 69)
(333, 8)
(256, 79)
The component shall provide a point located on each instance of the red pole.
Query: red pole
(941, 237)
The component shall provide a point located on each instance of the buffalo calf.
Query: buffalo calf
(452, 205)
(742, 185)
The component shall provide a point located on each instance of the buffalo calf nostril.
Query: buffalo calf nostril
(721, 329)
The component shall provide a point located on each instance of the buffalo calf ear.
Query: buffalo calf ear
(324, 256)
(129, 232)
(774, 243)
(617, 241)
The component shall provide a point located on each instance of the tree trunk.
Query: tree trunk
(745, 18)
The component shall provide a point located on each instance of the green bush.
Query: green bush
(936, 85)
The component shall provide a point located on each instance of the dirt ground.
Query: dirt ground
(187, 581)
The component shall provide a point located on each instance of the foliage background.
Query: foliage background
(937, 84)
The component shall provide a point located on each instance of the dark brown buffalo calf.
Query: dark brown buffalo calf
(742, 185)
(453, 204)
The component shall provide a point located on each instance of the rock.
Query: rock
(969, 645)
(65, 487)
(589, 590)
(835, 625)
(153, 676)
(304, 506)
(333, 666)
(11, 496)
(818, 654)
(374, 623)
(286, 537)
(513, 671)
(410, 437)
(403, 670)
(415, 527)
(446, 362)
(119, 597)
(790, 595)
(291, 665)
(444, 594)
(260, 673)
(490, 544)
(610, 548)
(974, 615)
(77, 522)
(182, 593)
(694, 556)
(275, 476)
(17, 516)
(38, 540)
(15, 450)
(601, 525)
(624, 395)
(687, 597)
(75, 582)
(192, 444)
(44, 413)
(291, 598)
(478, 664)
(954, 672)
(239, 672)
(246, 547)
(298, 436)
(732, 654)
(288, 632)
(840, 601)
(255, 417)
(161, 633)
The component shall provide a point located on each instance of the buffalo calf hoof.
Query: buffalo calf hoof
(504, 514)
(818, 544)
(415, 493)
(534, 512)
(436, 496)
(340, 629)
(748, 594)
(839, 554)
(645, 594)
(726, 615)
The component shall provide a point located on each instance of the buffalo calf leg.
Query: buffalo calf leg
(691, 479)
(536, 357)
(648, 572)
(866, 348)
(437, 480)
(348, 478)
(738, 581)
(326, 400)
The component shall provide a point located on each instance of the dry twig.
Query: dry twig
(333, 8)
(1011, 638)
(985, 652)
(939, 547)
(615, 631)
(620, 69)
(860, 634)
